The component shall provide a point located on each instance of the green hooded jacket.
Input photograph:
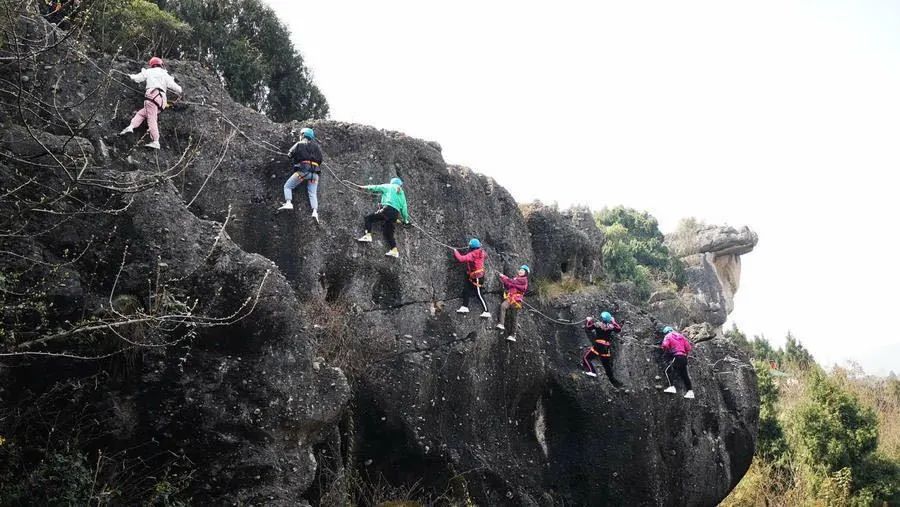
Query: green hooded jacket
(393, 196)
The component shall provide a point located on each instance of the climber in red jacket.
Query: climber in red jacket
(474, 261)
(515, 289)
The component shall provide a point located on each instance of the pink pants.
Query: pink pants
(153, 100)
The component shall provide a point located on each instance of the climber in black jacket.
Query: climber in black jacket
(600, 335)
(305, 159)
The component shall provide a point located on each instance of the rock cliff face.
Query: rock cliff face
(346, 369)
(567, 242)
(712, 258)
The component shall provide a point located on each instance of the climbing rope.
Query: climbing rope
(551, 319)
(432, 237)
(347, 183)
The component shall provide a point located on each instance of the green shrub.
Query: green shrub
(831, 430)
(770, 443)
(58, 479)
(634, 250)
(136, 28)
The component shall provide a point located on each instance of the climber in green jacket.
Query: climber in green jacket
(393, 207)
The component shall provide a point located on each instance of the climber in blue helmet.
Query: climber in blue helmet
(306, 156)
(679, 347)
(474, 261)
(600, 333)
(513, 296)
(393, 207)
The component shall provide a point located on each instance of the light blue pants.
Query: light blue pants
(312, 187)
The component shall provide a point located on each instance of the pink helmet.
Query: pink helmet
(155, 62)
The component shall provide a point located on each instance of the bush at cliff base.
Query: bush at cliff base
(818, 442)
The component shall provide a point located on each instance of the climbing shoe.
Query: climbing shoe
(153, 144)
(393, 252)
(501, 327)
(511, 338)
(127, 130)
(315, 215)
(670, 390)
(287, 205)
(589, 373)
(690, 395)
(366, 238)
(485, 315)
(463, 309)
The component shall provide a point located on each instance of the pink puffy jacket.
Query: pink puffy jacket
(676, 344)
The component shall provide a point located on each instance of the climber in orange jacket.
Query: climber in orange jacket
(515, 289)
(474, 261)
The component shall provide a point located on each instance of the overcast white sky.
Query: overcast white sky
(784, 116)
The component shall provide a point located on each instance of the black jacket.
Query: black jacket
(303, 151)
(595, 332)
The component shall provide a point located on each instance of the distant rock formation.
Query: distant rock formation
(712, 258)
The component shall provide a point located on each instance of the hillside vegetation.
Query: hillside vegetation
(634, 250)
(243, 41)
(825, 437)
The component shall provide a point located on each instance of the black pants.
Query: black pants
(605, 360)
(389, 216)
(471, 291)
(679, 364)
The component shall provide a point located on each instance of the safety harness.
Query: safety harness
(303, 173)
(515, 300)
(475, 277)
(606, 346)
(160, 94)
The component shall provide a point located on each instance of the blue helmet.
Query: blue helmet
(307, 133)
(474, 243)
(606, 317)
(667, 329)
(396, 181)
(525, 268)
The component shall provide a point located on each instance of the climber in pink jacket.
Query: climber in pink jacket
(157, 82)
(676, 345)
(515, 289)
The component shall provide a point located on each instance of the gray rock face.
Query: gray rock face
(262, 407)
(711, 255)
(567, 243)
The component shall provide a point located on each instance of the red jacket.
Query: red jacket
(474, 261)
(515, 287)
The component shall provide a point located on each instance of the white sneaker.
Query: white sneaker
(127, 130)
(393, 252)
(670, 390)
(287, 205)
(153, 144)
(511, 338)
(315, 215)
(589, 373)
(501, 327)
(485, 315)
(366, 238)
(690, 395)
(463, 309)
